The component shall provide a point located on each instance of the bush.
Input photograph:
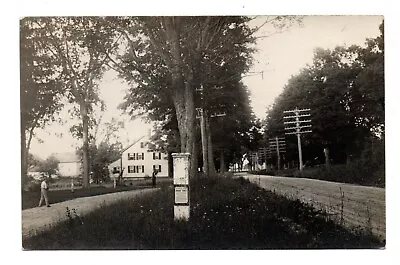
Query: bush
(32, 186)
(359, 172)
(356, 172)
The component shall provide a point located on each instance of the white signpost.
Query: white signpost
(181, 162)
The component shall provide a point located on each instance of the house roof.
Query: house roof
(129, 146)
(67, 157)
(134, 142)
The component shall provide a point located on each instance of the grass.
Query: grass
(354, 173)
(225, 214)
(30, 199)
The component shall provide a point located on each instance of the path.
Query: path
(362, 206)
(38, 219)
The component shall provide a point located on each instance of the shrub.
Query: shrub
(356, 172)
(32, 186)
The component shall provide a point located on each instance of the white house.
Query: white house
(138, 161)
(69, 164)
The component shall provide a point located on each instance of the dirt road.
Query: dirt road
(362, 206)
(37, 219)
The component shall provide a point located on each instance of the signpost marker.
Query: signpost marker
(181, 162)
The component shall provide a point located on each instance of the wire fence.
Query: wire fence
(348, 205)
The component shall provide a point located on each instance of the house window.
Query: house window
(141, 145)
(156, 156)
(115, 170)
(131, 156)
(136, 169)
(140, 156)
(158, 167)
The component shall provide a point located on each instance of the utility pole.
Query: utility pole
(298, 128)
(202, 114)
(263, 155)
(280, 147)
(204, 145)
(267, 156)
(254, 160)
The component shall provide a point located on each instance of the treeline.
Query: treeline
(344, 88)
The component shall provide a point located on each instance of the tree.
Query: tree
(101, 156)
(371, 82)
(34, 162)
(49, 166)
(41, 86)
(230, 133)
(337, 89)
(81, 44)
(167, 58)
(105, 147)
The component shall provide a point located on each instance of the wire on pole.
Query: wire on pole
(298, 128)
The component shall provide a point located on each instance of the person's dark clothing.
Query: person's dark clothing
(153, 178)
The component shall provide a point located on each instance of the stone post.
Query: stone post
(181, 163)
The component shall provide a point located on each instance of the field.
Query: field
(225, 214)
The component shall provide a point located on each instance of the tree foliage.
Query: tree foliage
(101, 156)
(344, 88)
(49, 166)
(41, 86)
(81, 46)
(167, 58)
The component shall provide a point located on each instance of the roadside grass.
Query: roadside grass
(225, 214)
(30, 199)
(354, 173)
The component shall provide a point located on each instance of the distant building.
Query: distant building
(138, 161)
(69, 165)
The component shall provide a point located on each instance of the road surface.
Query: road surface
(36, 220)
(362, 206)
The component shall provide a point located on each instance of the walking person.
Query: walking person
(153, 177)
(44, 188)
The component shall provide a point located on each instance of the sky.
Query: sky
(278, 57)
(283, 55)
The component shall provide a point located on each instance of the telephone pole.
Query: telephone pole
(299, 125)
(202, 114)
(278, 143)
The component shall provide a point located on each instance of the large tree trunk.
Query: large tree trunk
(204, 143)
(222, 162)
(348, 156)
(211, 165)
(24, 156)
(194, 160)
(182, 80)
(327, 159)
(184, 107)
(85, 147)
(25, 146)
